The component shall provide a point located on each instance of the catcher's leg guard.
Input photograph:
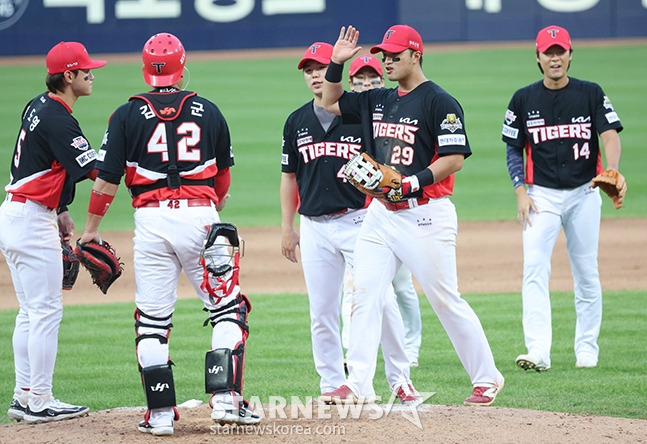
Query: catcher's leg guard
(159, 386)
(152, 339)
(224, 370)
(157, 374)
(224, 363)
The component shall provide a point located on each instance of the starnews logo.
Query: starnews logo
(278, 408)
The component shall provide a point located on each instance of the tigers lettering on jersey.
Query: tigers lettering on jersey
(335, 149)
(401, 131)
(567, 131)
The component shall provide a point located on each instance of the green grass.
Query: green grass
(96, 361)
(256, 96)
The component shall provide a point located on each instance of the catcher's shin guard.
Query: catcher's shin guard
(224, 370)
(152, 338)
(235, 311)
(158, 386)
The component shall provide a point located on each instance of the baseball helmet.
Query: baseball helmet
(164, 57)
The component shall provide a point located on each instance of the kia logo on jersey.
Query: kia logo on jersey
(408, 120)
(350, 139)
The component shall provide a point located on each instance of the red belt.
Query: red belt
(20, 199)
(189, 202)
(405, 204)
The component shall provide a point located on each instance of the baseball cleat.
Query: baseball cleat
(343, 395)
(145, 427)
(16, 410)
(52, 410)
(484, 396)
(586, 362)
(527, 362)
(407, 394)
(164, 425)
(225, 413)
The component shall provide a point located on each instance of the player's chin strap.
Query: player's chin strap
(226, 285)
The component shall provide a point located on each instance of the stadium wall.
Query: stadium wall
(31, 27)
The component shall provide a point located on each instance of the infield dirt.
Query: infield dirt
(489, 261)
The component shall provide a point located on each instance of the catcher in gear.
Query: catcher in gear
(177, 190)
(101, 261)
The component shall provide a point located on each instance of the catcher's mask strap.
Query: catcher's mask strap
(219, 270)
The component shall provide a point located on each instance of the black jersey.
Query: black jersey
(317, 157)
(51, 153)
(411, 131)
(135, 143)
(559, 131)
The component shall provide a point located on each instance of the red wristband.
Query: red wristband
(99, 203)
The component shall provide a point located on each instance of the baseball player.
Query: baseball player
(51, 155)
(174, 147)
(418, 129)
(316, 146)
(366, 73)
(556, 121)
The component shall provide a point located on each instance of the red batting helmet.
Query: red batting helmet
(164, 57)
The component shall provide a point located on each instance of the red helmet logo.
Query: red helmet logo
(163, 59)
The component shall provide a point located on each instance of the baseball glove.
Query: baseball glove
(613, 184)
(373, 178)
(71, 265)
(101, 262)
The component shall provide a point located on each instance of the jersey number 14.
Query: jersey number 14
(581, 152)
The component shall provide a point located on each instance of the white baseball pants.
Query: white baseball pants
(578, 212)
(424, 239)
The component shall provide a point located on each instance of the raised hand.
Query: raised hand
(346, 46)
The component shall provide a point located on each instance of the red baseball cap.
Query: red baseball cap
(70, 56)
(319, 52)
(398, 38)
(363, 61)
(553, 35)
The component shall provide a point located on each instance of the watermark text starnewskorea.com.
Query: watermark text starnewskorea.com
(277, 429)
(281, 408)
